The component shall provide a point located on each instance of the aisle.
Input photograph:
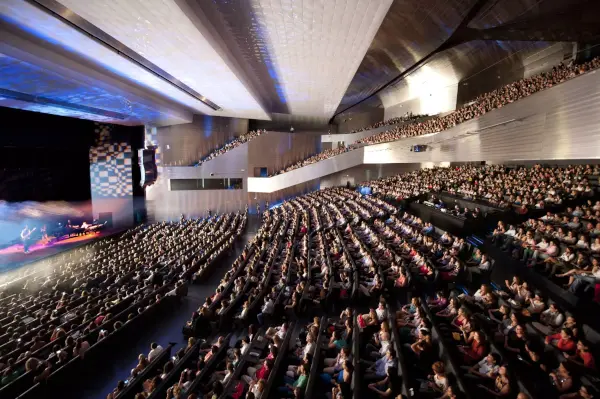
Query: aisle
(102, 381)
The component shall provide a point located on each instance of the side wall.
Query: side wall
(185, 144)
(275, 150)
(362, 173)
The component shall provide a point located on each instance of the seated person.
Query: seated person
(290, 384)
(501, 387)
(563, 340)
(561, 378)
(389, 387)
(516, 340)
(437, 382)
(261, 373)
(582, 357)
(486, 368)
(550, 320)
(379, 369)
(475, 349)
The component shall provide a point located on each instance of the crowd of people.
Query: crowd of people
(480, 106)
(564, 245)
(230, 145)
(401, 305)
(522, 188)
(81, 299)
(409, 117)
(315, 158)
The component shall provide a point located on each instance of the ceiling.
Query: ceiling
(446, 36)
(159, 62)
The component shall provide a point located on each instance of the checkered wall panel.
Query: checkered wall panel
(110, 166)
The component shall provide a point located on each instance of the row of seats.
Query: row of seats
(103, 298)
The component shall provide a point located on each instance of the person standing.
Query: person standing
(26, 238)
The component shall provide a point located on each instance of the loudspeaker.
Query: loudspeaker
(148, 169)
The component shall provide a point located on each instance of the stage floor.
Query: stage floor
(13, 256)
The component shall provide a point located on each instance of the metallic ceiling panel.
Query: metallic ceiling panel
(41, 90)
(76, 21)
(237, 24)
(161, 32)
(457, 64)
(499, 12)
(317, 47)
(411, 30)
(22, 18)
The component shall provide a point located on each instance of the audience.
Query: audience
(230, 145)
(480, 106)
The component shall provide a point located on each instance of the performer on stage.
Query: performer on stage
(26, 238)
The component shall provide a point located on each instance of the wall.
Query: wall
(282, 195)
(164, 204)
(276, 150)
(306, 173)
(186, 144)
(505, 72)
(353, 121)
(362, 173)
(402, 108)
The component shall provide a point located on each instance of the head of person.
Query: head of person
(438, 368)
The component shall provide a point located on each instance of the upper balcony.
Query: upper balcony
(562, 122)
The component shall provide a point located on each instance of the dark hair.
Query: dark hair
(496, 357)
(217, 388)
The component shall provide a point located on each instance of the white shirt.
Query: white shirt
(308, 348)
(244, 349)
(154, 352)
(483, 367)
(381, 314)
(268, 307)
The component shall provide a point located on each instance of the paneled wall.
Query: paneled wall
(276, 150)
(350, 122)
(362, 173)
(507, 71)
(306, 173)
(164, 204)
(185, 144)
(282, 195)
(559, 123)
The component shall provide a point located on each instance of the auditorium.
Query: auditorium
(307, 199)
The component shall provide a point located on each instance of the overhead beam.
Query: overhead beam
(77, 22)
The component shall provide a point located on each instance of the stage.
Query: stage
(13, 256)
